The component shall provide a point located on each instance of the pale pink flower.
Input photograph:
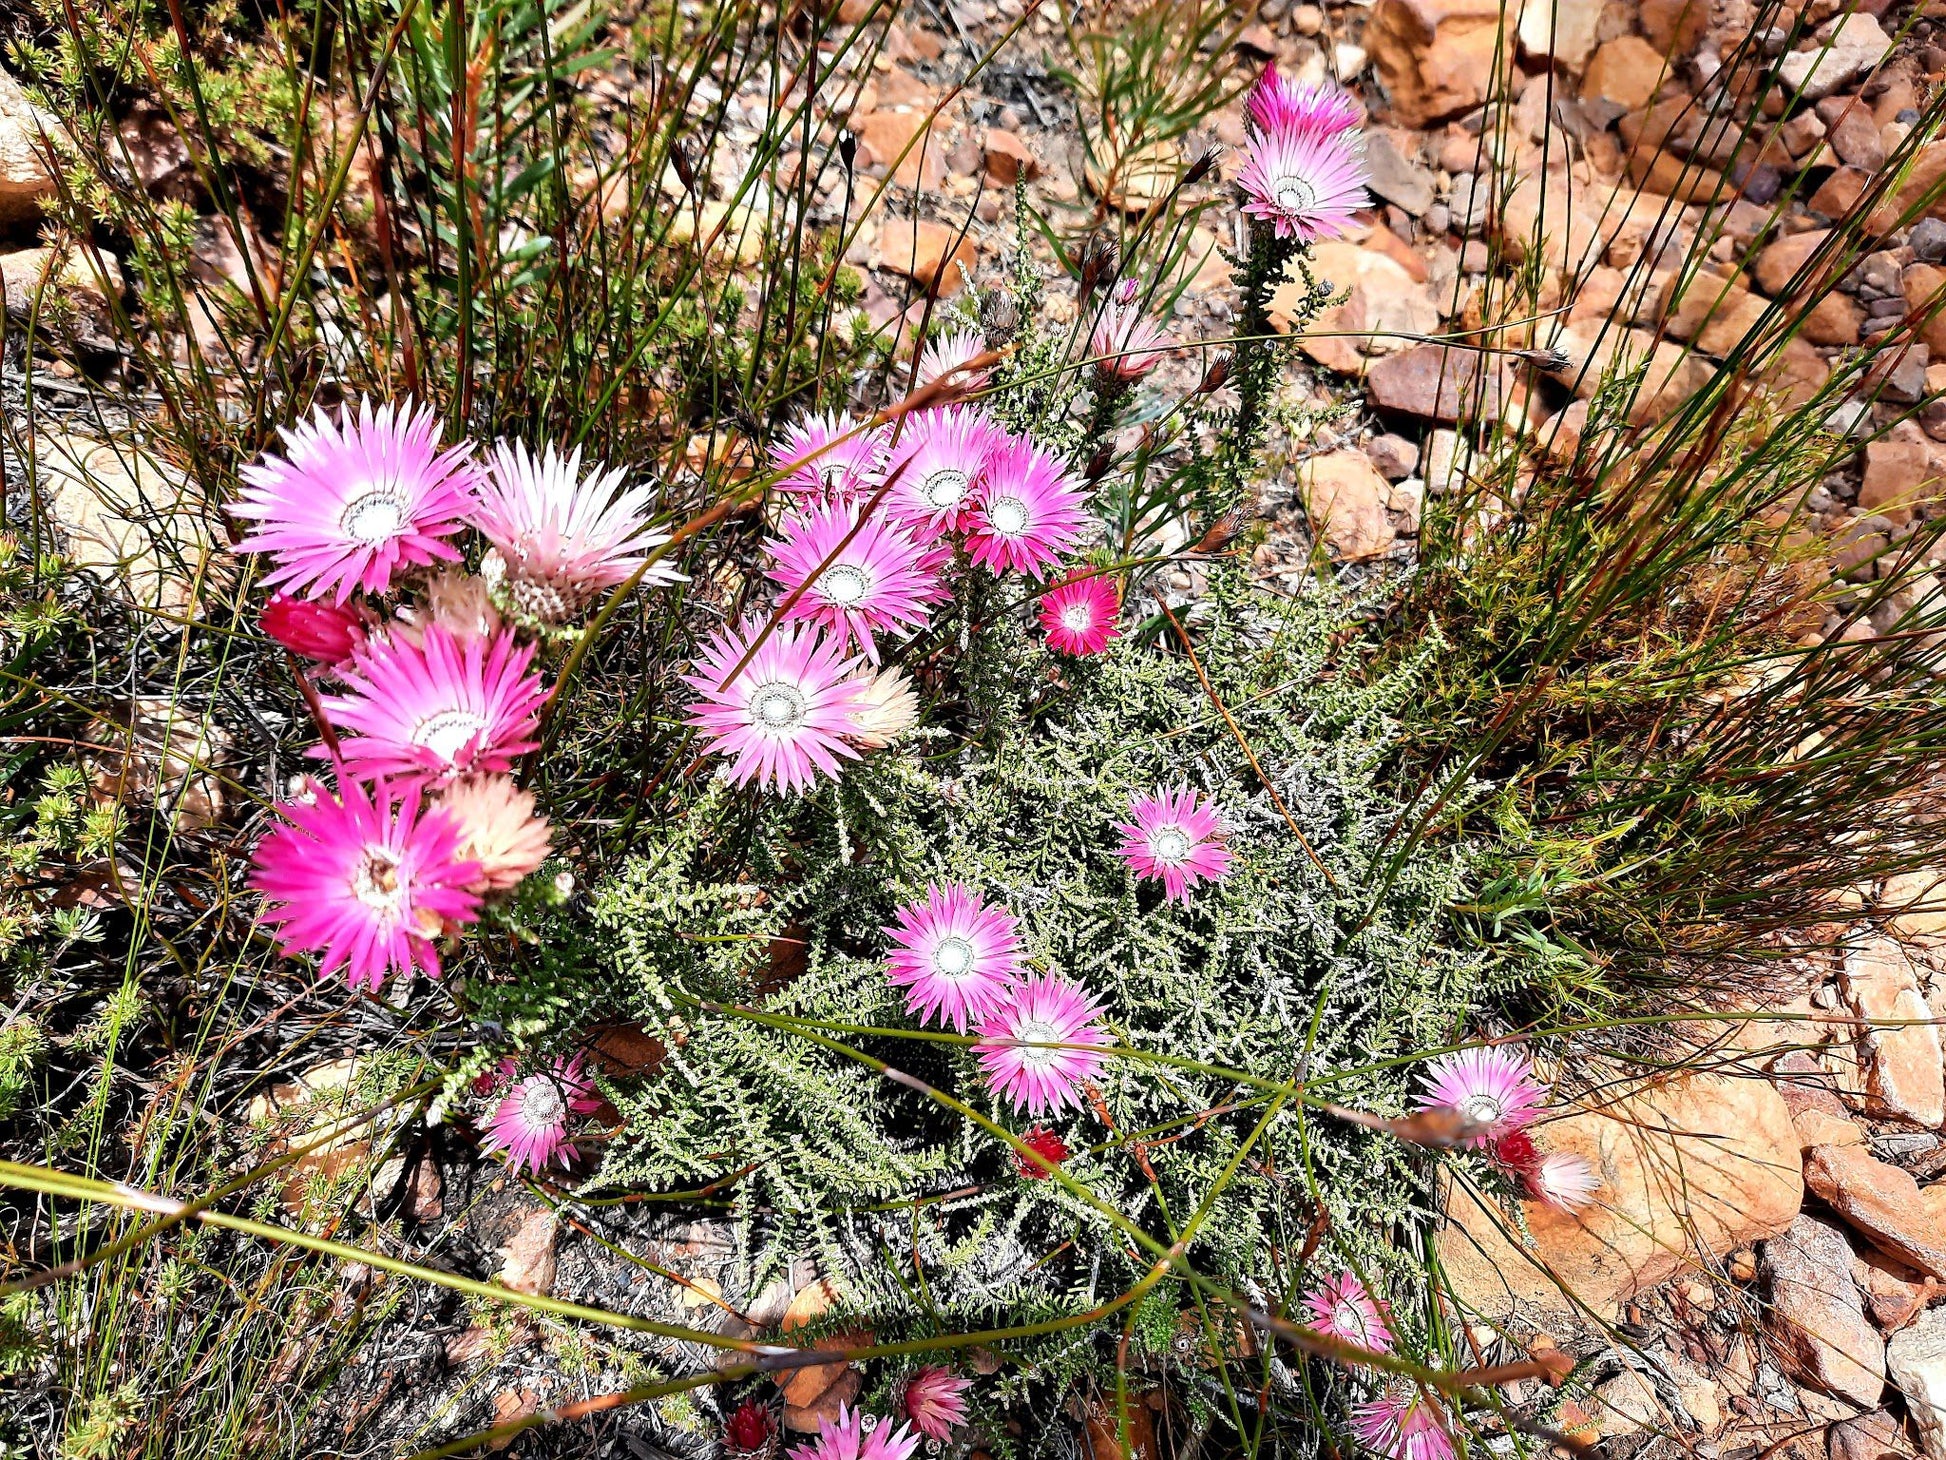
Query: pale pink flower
(1026, 512)
(499, 829)
(859, 578)
(955, 955)
(1017, 1044)
(1280, 104)
(459, 603)
(849, 1439)
(1564, 1181)
(1493, 1087)
(356, 500)
(1341, 1307)
(1081, 616)
(1402, 1426)
(886, 707)
(1126, 343)
(1176, 836)
(531, 1121)
(937, 461)
(440, 707)
(1305, 185)
(365, 881)
(784, 716)
(561, 538)
(935, 1400)
(949, 352)
(829, 458)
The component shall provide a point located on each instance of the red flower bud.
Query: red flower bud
(1043, 1143)
(1515, 1151)
(321, 631)
(749, 1429)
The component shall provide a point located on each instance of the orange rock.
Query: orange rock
(1009, 158)
(1437, 57)
(939, 258)
(900, 142)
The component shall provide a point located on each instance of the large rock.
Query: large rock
(1881, 1203)
(1438, 58)
(127, 517)
(938, 258)
(1593, 355)
(1440, 384)
(1917, 1360)
(1384, 308)
(1899, 1048)
(1345, 496)
(1817, 1318)
(67, 291)
(1856, 45)
(24, 178)
(1690, 1170)
(1564, 29)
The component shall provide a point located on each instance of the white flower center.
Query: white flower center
(1482, 1108)
(542, 1104)
(835, 476)
(1347, 1318)
(953, 958)
(375, 882)
(446, 732)
(846, 584)
(376, 514)
(777, 705)
(943, 488)
(1008, 516)
(1038, 1032)
(1293, 194)
(1170, 844)
(1078, 616)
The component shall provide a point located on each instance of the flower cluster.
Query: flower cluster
(1304, 175)
(1498, 1093)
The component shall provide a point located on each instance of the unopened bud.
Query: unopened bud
(1217, 373)
(848, 149)
(685, 169)
(1099, 463)
(1203, 166)
(1099, 257)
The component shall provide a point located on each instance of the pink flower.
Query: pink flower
(829, 458)
(531, 1122)
(1026, 513)
(561, 539)
(1045, 1144)
(326, 632)
(440, 707)
(1564, 1181)
(874, 578)
(1494, 1088)
(786, 713)
(1305, 185)
(1176, 836)
(1126, 344)
(949, 352)
(848, 1439)
(366, 882)
(1340, 1307)
(1402, 1427)
(355, 501)
(1279, 104)
(937, 461)
(956, 956)
(1080, 616)
(1016, 1044)
(935, 1400)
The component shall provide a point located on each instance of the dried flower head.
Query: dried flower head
(499, 829)
(885, 707)
(949, 352)
(1564, 1181)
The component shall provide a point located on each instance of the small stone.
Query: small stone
(1894, 1291)
(1854, 135)
(126, 517)
(1625, 71)
(1674, 27)
(1345, 500)
(1778, 264)
(900, 141)
(1917, 1361)
(1627, 1405)
(1857, 45)
(1395, 457)
(24, 176)
(1817, 1318)
(1307, 19)
(1927, 240)
(1802, 133)
(1438, 384)
(1880, 1202)
(1257, 40)
(1009, 158)
(156, 151)
(1900, 1051)
(1394, 178)
(527, 1261)
(1141, 179)
(938, 258)
(1817, 1127)
(1565, 30)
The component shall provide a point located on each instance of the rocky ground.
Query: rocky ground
(1763, 1270)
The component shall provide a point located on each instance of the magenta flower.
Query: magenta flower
(1176, 836)
(1026, 513)
(1564, 1181)
(1305, 185)
(560, 539)
(356, 501)
(1017, 1044)
(935, 1400)
(1340, 1306)
(956, 956)
(1080, 616)
(1402, 1426)
(936, 466)
(752, 1430)
(1279, 104)
(949, 352)
(829, 458)
(439, 707)
(326, 632)
(786, 713)
(1126, 343)
(849, 1439)
(364, 881)
(874, 578)
(531, 1121)
(1494, 1088)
